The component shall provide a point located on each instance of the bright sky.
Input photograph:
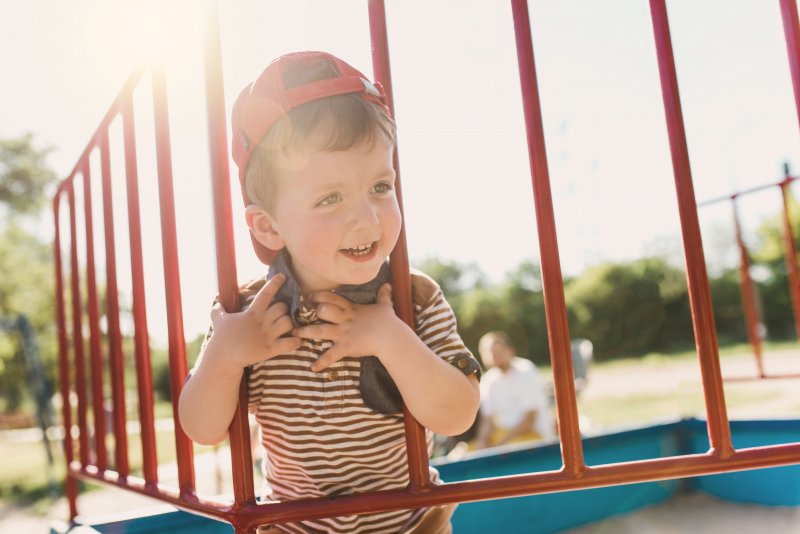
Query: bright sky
(461, 134)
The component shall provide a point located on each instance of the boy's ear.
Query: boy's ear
(263, 227)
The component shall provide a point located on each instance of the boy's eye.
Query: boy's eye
(381, 187)
(333, 198)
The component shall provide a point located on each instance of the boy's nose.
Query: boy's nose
(364, 214)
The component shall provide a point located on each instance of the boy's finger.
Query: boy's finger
(267, 292)
(276, 311)
(330, 312)
(329, 297)
(285, 345)
(385, 294)
(316, 331)
(283, 325)
(328, 357)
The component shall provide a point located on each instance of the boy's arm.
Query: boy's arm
(209, 398)
(436, 393)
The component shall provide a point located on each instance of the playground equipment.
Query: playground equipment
(572, 469)
(754, 334)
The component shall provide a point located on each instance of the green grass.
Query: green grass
(613, 411)
(27, 480)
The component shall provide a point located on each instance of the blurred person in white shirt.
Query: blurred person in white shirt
(514, 402)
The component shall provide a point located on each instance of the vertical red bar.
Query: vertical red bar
(791, 30)
(418, 470)
(696, 275)
(748, 293)
(169, 243)
(141, 340)
(552, 280)
(70, 487)
(239, 431)
(115, 359)
(790, 255)
(77, 329)
(94, 326)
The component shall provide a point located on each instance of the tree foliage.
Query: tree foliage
(24, 175)
(26, 284)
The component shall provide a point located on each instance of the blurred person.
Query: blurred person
(514, 404)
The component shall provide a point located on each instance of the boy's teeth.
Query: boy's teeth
(360, 250)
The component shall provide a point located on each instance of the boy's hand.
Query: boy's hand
(355, 329)
(254, 334)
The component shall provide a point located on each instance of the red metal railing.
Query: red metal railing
(746, 284)
(243, 512)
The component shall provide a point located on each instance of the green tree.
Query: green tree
(26, 284)
(24, 175)
(619, 307)
(773, 285)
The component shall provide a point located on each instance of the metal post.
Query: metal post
(418, 471)
(239, 431)
(115, 360)
(141, 339)
(77, 330)
(169, 243)
(748, 293)
(70, 487)
(790, 254)
(697, 278)
(552, 280)
(94, 325)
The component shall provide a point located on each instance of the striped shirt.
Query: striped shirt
(321, 439)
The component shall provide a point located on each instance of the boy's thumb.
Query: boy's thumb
(385, 294)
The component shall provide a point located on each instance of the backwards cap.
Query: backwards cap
(262, 103)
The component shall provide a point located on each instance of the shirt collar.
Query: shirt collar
(290, 293)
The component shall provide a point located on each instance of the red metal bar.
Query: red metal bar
(790, 254)
(70, 488)
(791, 30)
(552, 280)
(417, 450)
(472, 490)
(239, 431)
(697, 278)
(116, 364)
(94, 326)
(748, 293)
(77, 330)
(141, 339)
(745, 192)
(169, 242)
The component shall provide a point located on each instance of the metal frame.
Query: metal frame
(243, 512)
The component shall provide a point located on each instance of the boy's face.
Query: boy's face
(337, 214)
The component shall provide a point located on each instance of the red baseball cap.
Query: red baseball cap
(266, 100)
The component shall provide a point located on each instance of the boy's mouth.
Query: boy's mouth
(360, 250)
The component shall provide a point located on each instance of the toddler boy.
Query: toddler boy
(329, 363)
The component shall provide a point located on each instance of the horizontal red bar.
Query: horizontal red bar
(472, 490)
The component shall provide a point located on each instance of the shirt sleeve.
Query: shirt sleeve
(436, 325)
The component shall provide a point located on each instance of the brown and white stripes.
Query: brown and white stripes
(319, 436)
